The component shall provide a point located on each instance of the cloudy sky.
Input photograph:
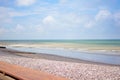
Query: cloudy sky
(59, 19)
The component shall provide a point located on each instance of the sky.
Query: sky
(59, 19)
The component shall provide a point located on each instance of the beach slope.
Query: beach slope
(71, 70)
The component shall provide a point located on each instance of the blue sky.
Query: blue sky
(59, 19)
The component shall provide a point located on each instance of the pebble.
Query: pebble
(70, 70)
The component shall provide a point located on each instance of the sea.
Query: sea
(102, 51)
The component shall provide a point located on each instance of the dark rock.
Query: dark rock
(2, 47)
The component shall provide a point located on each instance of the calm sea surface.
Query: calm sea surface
(96, 42)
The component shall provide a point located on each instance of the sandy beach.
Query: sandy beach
(72, 69)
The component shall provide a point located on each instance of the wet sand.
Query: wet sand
(73, 69)
(46, 56)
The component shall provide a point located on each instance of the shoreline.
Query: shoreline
(72, 70)
(60, 58)
(44, 56)
(51, 57)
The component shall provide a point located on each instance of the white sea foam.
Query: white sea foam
(66, 46)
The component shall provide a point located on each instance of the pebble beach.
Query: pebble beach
(71, 70)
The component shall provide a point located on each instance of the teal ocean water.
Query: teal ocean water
(84, 42)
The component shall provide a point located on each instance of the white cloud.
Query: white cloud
(16, 14)
(25, 2)
(103, 14)
(18, 29)
(58, 21)
(72, 18)
(66, 21)
(4, 15)
(7, 14)
(49, 20)
(69, 20)
(104, 17)
(2, 30)
(89, 24)
(39, 29)
(117, 18)
(63, 1)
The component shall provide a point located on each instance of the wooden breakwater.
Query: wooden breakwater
(15, 72)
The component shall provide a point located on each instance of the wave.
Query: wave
(89, 48)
